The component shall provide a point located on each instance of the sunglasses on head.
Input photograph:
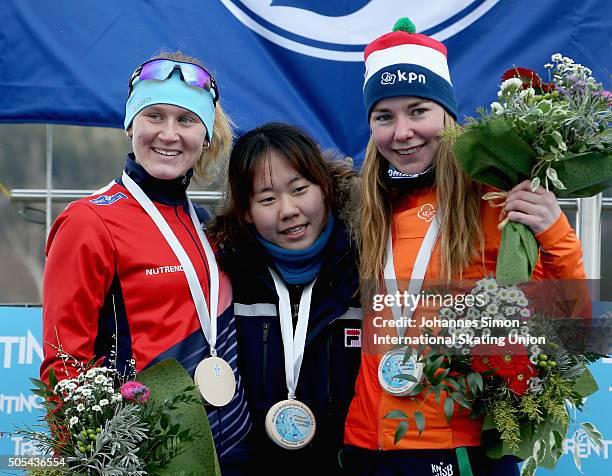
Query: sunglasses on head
(161, 69)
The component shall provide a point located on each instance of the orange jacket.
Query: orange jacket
(560, 257)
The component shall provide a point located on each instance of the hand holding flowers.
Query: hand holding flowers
(555, 134)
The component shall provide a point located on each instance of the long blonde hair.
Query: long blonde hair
(458, 207)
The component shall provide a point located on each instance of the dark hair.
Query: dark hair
(253, 149)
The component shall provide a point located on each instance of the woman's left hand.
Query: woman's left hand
(538, 210)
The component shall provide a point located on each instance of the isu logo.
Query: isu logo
(339, 30)
(427, 212)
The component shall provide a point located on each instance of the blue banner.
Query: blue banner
(68, 61)
(20, 358)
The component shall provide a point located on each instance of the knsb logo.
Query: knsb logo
(427, 212)
(584, 447)
(339, 30)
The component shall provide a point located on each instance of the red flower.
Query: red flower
(511, 361)
(481, 357)
(520, 383)
(528, 76)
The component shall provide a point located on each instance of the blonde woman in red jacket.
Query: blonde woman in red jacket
(411, 180)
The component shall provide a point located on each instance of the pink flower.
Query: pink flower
(135, 392)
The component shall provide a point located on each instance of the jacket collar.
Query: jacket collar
(167, 192)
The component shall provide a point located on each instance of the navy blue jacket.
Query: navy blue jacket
(331, 355)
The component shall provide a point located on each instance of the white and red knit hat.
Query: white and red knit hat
(405, 63)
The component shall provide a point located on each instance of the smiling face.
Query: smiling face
(167, 140)
(286, 209)
(405, 130)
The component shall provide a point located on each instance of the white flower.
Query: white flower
(511, 85)
(492, 309)
(522, 301)
(527, 93)
(103, 402)
(524, 330)
(445, 312)
(73, 421)
(96, 408)
(556, 57)
(549, 66)
(525, 312)
(91, 373)
(473, 313)
(116, 398)
(509, 310)
(86, 392)
(497, 108)
(100, 379)
(80, 407)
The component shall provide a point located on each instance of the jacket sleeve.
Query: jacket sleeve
(560, 252)
(79, 270)
(564, 290)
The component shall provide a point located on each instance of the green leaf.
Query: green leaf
(449, 407)
(439, 377)
(559, 140)
(585, 385)
(40, 393)
(529, 467)
(419, 418)
(39, 383)
(401, 430)
(460, 399)
(437, 390)
(475, 382)
(410, 378)
(577, 460)
(593, 433)
(396, 414)
(539, 450)
(52, 378)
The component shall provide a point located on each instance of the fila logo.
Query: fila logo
(352, 337)
(427, 212)
(389, 78)
(108, 199)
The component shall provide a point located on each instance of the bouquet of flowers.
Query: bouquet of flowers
(104, 422)
(554, 133)
(511, 367)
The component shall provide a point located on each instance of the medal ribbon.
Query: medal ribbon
(293, 346)
(418, 272)
(208, 321)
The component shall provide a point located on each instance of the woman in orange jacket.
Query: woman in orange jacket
(422, 214)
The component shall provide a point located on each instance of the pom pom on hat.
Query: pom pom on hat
(406, 63)
(404, 24)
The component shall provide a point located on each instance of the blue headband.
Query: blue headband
(172, 91)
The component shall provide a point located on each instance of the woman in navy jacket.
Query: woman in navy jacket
(287, 214)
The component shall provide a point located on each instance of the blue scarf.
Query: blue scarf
(299, 266)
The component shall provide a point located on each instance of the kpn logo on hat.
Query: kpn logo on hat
(406, 63)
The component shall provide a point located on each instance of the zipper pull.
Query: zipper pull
(266, 330)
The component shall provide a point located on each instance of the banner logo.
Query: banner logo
(339, 30)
